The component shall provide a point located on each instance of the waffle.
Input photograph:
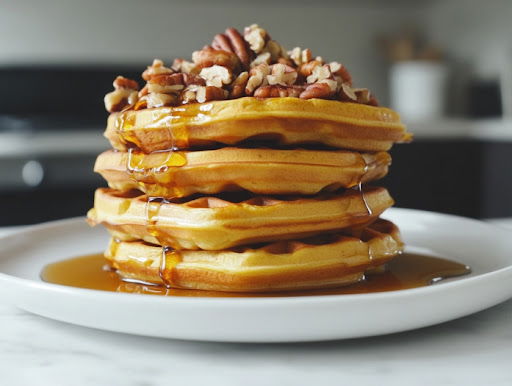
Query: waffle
(261, 171)
(282, 121)
(318, 262)
(214, 223)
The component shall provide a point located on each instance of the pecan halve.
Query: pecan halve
(323, 89)
(240, 46)
(209, 56)
(232, 41)
(238, 86)
(221, 42)
(277, 91)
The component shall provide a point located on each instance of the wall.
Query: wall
(474, 32)
(136, 31)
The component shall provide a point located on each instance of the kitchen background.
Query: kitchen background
(445, 65)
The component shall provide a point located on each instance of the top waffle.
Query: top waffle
(248, 88)
(281, 121)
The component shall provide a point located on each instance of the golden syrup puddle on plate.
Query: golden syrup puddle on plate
(403, 272)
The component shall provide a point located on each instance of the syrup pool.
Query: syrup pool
(404, 272)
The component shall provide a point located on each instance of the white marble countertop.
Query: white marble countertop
(475, 350)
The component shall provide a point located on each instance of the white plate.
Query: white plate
(486, 248)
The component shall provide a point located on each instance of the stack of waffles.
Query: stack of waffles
(246, 170)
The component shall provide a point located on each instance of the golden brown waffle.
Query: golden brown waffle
(319, 262)
(214, 223)
(283, 121)
(261, 171)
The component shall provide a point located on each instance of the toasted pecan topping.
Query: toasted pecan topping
(236, 65)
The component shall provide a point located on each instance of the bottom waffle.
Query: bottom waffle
(318, 262)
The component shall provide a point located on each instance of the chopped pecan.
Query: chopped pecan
(364, 96)
(166, 83)
(276, 51)
(319, 73)
(339, 70)
(157, 68)
(190, 79)
(156, 99)
(209, 56)
(264, 57)
(276, 91)
(257, 77)
(256, 37)
(124, 95)
(210, 93)
(122, 82)
(300, 56)
(216, 76)
(189, 94)
(281, 74)
(201, 94)
(347, 94)
(306, 69)
(239, 85)
(184, 66)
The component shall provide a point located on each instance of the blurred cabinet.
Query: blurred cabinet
(463, 177)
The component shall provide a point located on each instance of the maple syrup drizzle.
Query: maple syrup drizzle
(359, 188)
(156, 167)
(403, 272)
(167, 270)
(175, 119)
